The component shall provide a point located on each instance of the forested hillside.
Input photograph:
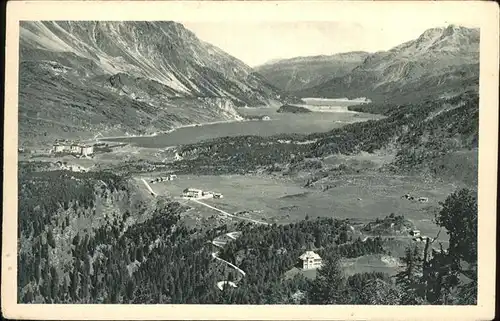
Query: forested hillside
(161, 260)
(422, 134)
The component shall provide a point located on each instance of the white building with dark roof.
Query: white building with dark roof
(76, 148)
(87, 150)
(192, 193)
(58, 148)
(311, 260)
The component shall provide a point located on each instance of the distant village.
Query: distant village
(74, 148)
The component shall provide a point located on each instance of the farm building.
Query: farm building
(164, 178)
(415, 233)
(192, 192)
(422, 238)
(86, 150)
(218, 195)
(76, 149)
(408, 197)
(209, 194)
(59, 148)
(310, 260)
(423, 199)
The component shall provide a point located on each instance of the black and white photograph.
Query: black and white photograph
(252, 162)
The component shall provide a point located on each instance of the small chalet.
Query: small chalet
(310, 260)
(415, 233)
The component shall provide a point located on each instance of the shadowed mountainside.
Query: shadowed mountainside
(441, 61)
(126, 77)
(304, 72)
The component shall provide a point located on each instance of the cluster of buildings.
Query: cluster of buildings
(413, 198)
(198, 193)
(73, 148)
(170, 177)
(70, 167)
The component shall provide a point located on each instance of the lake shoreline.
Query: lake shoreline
(252, 121)
(176, 128)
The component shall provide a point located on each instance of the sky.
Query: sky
(256, 43)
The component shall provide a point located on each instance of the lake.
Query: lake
(327, 115)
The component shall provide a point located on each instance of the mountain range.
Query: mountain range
(304, 72)
(78, 77)
(440, 61)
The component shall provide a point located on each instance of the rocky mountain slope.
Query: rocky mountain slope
(126, 77)
(304, 72)
(441, 60)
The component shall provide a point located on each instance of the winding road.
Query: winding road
(221, 244)
(149, 187)
(215, 242)
(227, 214)
(214, 255)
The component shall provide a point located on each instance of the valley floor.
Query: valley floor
(274, 199)
(361, 198)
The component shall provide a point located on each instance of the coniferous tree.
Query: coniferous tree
(329, 285)
(459, 216)
(28, 296)
(73, 287)
(410, 277)
(50, 239)
(130, 290)
(54, 284)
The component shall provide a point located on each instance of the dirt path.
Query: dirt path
(227, 214)
(214, 255)
(220, 244)
(232, 235)
(149, 187)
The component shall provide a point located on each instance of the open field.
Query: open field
(363, 197)
(371, 263)
(309, 274)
